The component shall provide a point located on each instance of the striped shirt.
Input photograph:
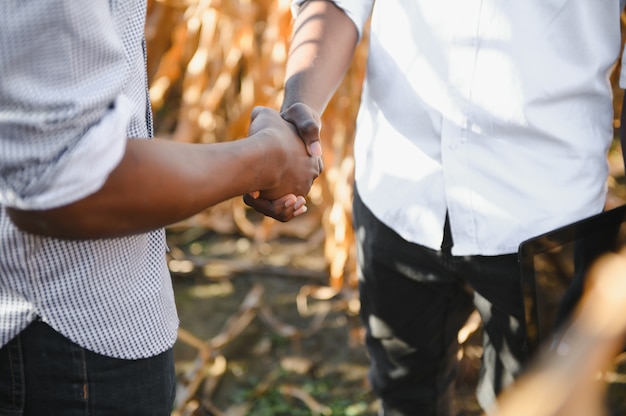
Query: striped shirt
(73, 89)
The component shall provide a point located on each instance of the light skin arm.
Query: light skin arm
(321, 50)
(159, 182)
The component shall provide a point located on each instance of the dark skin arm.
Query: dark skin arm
(321, 49)
(159, 182)
(322, 46)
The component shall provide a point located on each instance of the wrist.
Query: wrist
(269, 160)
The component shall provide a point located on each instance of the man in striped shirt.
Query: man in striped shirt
(87, 313)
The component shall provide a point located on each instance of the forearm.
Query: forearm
(157, 183)
(321, 50)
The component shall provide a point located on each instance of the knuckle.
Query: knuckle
(309, 128)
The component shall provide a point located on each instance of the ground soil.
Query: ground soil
(248, 349)
(282, 355)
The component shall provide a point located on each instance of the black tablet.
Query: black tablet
(553, 268)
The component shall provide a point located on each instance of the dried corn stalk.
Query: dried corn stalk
(210, 63)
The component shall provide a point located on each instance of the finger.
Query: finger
(299, 202)
(263, 206)
(285, 201)
(255, 112)
(300, 211)
(281, 209)
(288, 201)
(300, 206)
(320, 166)
(258, 118)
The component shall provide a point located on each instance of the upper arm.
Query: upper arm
(357, 10)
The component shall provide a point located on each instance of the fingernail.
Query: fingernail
(316, 148)
(290, 202)
(300, 201)
(300, 211)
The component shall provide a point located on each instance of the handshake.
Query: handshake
(159, 182)
(293, 159)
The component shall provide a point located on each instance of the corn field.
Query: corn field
(209, 63)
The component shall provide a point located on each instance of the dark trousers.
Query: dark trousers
(413, 302)
(43, 373)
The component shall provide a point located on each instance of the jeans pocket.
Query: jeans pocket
(11, 379)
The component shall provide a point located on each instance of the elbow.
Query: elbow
(62, 223)
(47, 223)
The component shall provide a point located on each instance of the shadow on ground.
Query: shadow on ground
(272, 340)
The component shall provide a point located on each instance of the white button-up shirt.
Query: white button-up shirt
(498, 112)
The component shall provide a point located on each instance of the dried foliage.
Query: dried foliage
(210, 63)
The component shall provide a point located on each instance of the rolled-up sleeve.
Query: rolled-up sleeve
(357, 10)
(63, 116)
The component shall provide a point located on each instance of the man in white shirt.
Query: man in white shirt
(482, 123)
(87, 313)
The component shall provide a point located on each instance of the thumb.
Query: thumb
(308, 124)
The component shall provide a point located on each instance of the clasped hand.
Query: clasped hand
(304, 164)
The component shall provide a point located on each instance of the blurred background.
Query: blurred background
(269, 312)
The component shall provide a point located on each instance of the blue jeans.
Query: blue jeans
(414, 300)
(43, 373)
